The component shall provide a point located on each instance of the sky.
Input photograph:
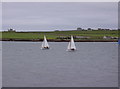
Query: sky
(49, 16)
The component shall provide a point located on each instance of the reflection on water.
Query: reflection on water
(94, 64)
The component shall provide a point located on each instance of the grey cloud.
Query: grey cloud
(62, 15)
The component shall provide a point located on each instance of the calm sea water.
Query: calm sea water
(94, 64)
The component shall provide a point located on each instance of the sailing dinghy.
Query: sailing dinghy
(45, 44)
(71, 45)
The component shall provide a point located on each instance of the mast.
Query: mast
(72, 43)
(45, 42)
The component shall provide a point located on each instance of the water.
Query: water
(94, 64)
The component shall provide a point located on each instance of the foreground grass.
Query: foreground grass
(53, 35)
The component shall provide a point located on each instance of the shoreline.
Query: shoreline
(58, 40)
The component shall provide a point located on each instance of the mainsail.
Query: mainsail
(71, 45)
(45, 44)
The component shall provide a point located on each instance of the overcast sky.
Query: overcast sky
(41, 16)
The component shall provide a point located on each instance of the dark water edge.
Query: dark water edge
(62, 40)
(26, 65)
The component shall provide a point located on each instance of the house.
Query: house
(79, 29)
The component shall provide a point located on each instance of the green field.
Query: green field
(96, 34)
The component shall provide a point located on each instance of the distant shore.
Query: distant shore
(58, 40)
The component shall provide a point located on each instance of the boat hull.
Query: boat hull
(45, 48)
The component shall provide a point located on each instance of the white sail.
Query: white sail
(71, 45)
(45, 43)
